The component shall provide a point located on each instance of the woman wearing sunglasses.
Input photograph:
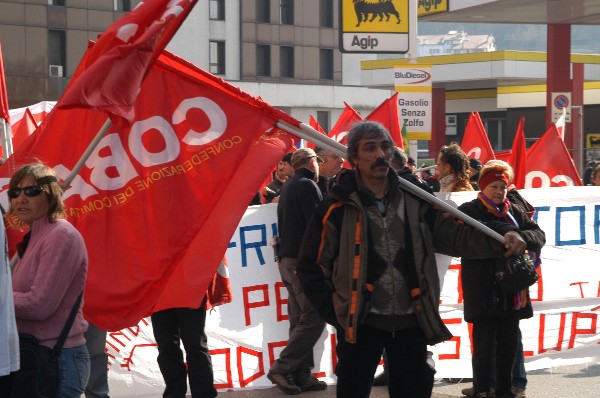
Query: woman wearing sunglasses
(49, 274)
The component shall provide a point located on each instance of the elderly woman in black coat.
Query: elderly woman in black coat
(495, 315)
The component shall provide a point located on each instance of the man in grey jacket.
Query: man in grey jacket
(367, 264)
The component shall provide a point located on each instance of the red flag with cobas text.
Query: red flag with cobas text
(158, 202)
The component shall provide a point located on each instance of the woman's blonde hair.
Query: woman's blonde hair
(46, 179)
(498, 166)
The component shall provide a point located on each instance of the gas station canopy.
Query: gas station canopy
(569, 12)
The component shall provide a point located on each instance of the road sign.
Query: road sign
(560, 101)
(374, 26)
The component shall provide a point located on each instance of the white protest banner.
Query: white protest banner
(246, 336)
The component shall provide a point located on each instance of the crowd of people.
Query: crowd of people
(355, 250)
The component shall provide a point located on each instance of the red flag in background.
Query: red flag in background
(387, 114)
(158, 202)
(115, 68)
(502, 155)
(3, 93)
(549, 163)
(518, 156)
(24, 129)
(348, 117)
(475, 142)
(312, 122)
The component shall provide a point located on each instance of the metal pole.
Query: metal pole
(308, 133)
(87, 153)
(6, 139)
(580, 128)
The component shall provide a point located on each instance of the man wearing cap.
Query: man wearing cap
(299, 198)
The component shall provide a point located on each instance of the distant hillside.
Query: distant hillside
(584, 39)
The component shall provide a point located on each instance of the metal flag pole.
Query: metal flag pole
(308, 133)
(87, 153)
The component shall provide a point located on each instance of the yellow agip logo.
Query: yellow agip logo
(385, 16)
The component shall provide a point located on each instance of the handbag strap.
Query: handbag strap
(65, 330)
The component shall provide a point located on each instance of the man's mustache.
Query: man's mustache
(380, 163)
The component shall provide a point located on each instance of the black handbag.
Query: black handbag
(38, 375)
(515, 274)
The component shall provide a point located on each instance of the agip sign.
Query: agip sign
(374, 26)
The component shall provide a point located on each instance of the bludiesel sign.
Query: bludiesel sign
(412, 82)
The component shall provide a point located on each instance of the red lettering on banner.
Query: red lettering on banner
(127, 361)
(271, 347)
(598, 294)
(458, 267)
(256, 304)
(561, 334)
(227, 353)
(280, 302)
(333, 342)
(456, 339)
(261, 368)
(580, 287)
(540, 287)
(575, 330)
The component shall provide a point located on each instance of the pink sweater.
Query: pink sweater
(47, 281)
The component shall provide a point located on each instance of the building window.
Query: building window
(56, 3)
(326, 13)
(323, 119)
(122, 5)
(263, 60)
(56, 53)
(287, 61)
(217, 10)
(326, 64)
(263, 11)
(217, 57)
(287, 12)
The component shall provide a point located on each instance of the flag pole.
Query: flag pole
(308, 133)
(87, 153)
(6, 139)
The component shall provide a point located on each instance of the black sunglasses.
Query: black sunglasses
(30, 191)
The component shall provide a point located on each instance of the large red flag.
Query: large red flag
(340, 130)
(549, 163)
(123, 55)
(518, 156)
(23, 128)
(3, 93)
(387, 114)
(158, 202)
(475, 142)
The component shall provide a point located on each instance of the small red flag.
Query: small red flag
(475, 142)
(312, 122)
(340, 130)
(387, 114)
(518, 156)
(3, 93)
(549, 163)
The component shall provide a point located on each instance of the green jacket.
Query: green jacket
(333, 259)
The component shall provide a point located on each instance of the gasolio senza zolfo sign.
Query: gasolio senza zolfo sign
(374, 26)
(413, 83)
